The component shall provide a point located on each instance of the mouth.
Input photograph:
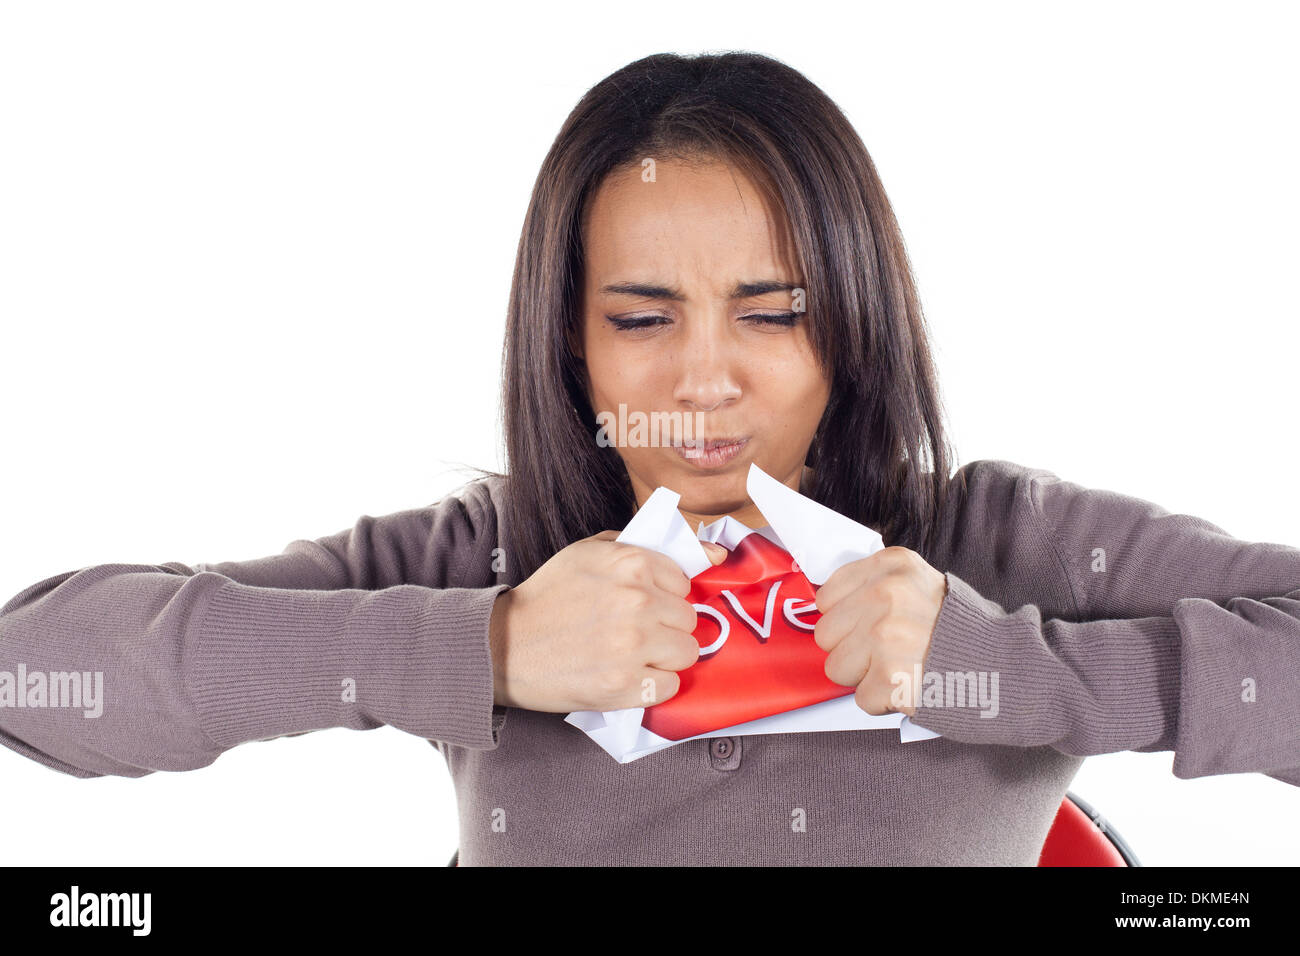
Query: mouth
(709, 452)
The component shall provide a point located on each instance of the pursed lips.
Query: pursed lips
(707, 443)
(709, 452)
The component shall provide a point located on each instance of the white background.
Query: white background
(254, 263)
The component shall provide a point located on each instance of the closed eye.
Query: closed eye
(786, 319)
(783, 319)
(637, 321)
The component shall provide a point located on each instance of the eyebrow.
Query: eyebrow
(743, 290)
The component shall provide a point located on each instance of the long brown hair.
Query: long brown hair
(880, 454)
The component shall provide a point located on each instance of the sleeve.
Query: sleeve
(1183, 638)
(125, 669)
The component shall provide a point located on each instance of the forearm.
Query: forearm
(1149, 684)
(192, 665)
(271, 662)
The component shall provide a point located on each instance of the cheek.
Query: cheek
(796, 380)
(624, 375)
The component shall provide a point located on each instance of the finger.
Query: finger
(667, 575)
(875, 696)
(844, 581)
(640, 566)
(848, 662)
(834, 626)
(673, 612)
(716, 552)
(655, 687)
(670, 650)
(900, 690)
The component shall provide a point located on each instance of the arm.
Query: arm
(197, 660)
(1181, 637)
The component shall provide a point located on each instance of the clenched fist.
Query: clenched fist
(878, 615)
(603, 625)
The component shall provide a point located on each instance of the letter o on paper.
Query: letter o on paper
(724, 629)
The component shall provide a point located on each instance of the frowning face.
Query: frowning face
(692, 304)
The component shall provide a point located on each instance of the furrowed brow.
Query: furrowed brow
(749, 290)
(743, 290)
(643, 291)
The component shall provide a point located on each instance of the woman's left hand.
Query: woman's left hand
(877, 617)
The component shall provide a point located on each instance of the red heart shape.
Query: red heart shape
(758, 656)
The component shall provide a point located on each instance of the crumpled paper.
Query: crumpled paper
(820, 541)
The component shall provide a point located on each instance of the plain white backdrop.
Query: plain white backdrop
(254, 264)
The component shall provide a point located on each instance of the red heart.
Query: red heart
(764, 662)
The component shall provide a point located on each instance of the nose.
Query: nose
(706, 373)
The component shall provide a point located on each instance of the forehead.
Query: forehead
(694, 218)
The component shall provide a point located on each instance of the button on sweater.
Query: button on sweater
(1111, 625)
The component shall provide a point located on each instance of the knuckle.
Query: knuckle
(628, 559)
(899, 555)
(639, 599)
(612, 682)
(888, 631)
(624, 641)
(883, 594)
(639, 558)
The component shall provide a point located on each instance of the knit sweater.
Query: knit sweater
(1112, 625)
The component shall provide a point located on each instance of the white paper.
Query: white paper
(820, 541)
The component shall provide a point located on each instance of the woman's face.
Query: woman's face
(688, 307)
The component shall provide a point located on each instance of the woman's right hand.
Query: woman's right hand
(603, 625)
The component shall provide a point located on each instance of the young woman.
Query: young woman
(707, 236)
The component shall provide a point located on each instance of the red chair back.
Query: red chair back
(1080, 836)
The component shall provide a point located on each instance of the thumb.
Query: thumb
(716, 552)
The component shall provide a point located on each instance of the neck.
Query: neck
(749, 515)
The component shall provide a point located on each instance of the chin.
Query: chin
(715, 498)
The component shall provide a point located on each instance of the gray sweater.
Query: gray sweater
(1112, 625)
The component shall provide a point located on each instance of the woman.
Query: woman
(706, 236)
